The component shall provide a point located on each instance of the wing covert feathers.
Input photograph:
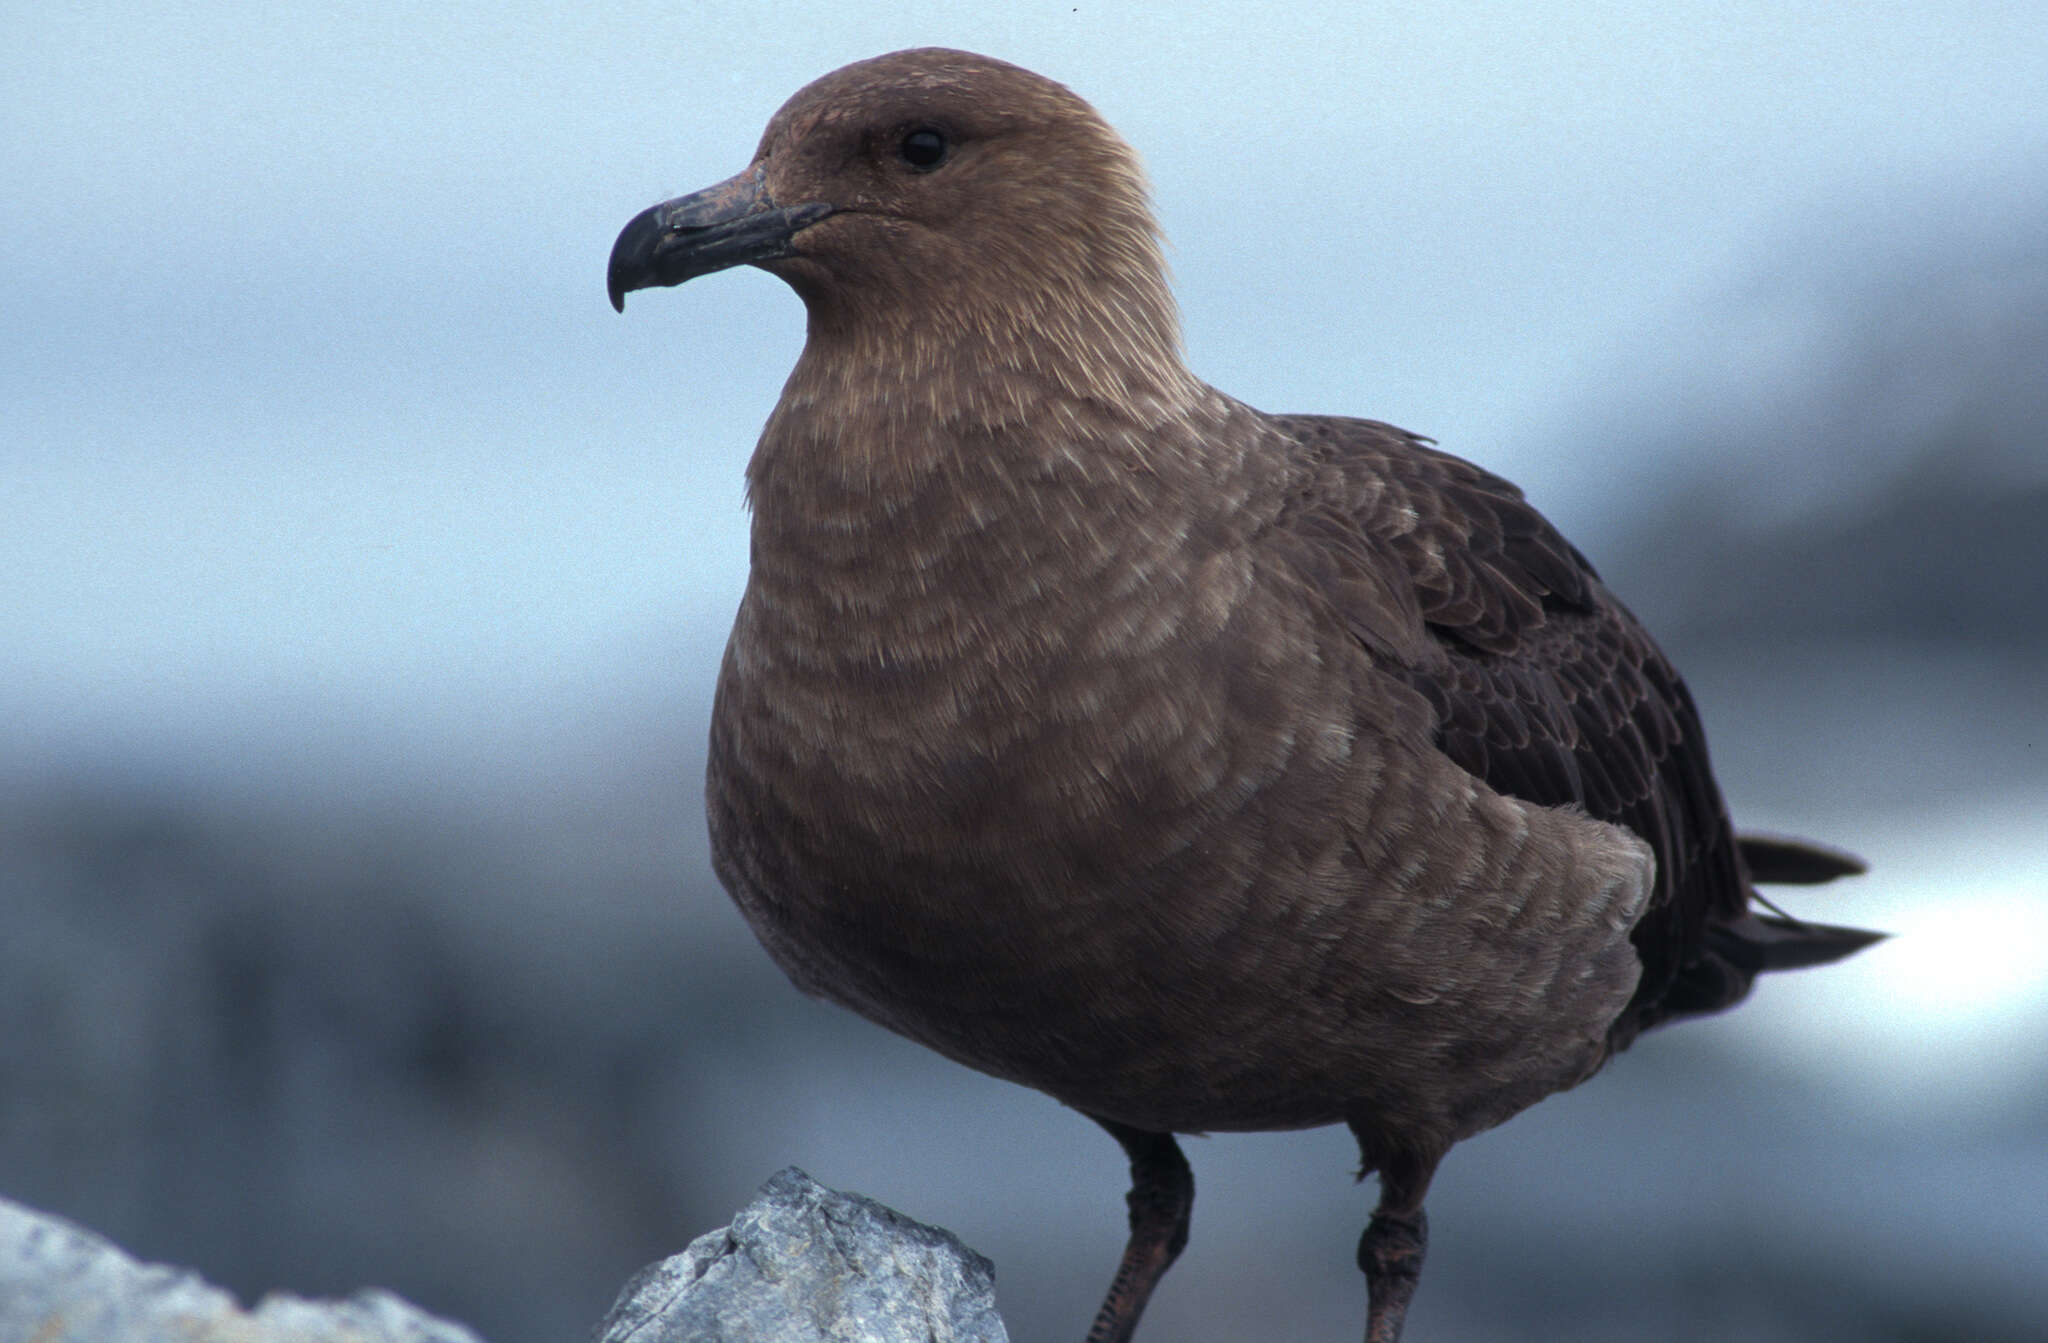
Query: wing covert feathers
(1546, 687)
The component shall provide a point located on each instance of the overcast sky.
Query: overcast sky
(315, 413)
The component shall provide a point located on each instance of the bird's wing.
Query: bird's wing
(1543, 684)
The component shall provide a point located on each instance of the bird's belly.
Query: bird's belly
(1156, 1027)
(1081, 940)
(1252, 966)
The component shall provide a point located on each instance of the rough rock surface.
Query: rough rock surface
(62, 1284)
(800, 1263)
(803, 1263)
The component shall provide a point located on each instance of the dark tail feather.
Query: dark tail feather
(1736, 952)
(1780, 860)
(1759, 942)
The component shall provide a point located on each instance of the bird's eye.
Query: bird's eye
(923, 149)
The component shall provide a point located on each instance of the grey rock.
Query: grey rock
(804, 1263)
(62, 1284)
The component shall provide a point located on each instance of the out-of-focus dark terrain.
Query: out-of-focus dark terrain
(495, 1046)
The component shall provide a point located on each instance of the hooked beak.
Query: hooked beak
(732, 224)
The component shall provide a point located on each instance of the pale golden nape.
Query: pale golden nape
(1203, 768)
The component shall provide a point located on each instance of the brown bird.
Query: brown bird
(1204, 768)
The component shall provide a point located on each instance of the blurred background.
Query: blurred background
(362, 579)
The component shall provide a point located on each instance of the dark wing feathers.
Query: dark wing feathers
(1542, 683)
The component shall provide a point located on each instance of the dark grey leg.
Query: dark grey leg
(1162, 1197)
(1395, 1239)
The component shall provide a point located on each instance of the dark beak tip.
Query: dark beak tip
(732, 224)
(632, 251)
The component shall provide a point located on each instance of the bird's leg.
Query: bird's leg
(1162, 1197)
(1392, 1247)
(1390, 1252)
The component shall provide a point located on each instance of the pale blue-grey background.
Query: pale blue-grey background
(362, 577)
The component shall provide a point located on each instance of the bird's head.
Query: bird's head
(930, 197)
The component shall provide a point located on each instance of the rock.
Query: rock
(62, 1284)
(801, 1263)
(804, 1263)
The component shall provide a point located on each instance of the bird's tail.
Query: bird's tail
(1755, 943)
(1740, 949)
(1782, 860)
